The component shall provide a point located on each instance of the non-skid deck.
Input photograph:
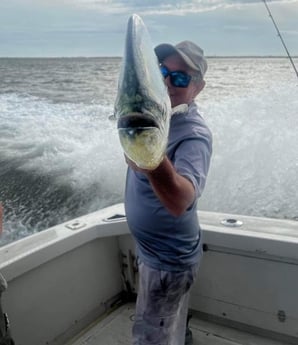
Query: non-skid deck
(115, 329)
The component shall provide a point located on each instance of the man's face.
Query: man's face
(180, 95)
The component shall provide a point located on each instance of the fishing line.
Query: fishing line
(279, 35)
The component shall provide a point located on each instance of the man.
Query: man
(161, 204)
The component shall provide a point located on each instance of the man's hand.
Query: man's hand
(134, 167)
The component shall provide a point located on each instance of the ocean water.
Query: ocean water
(60, 156)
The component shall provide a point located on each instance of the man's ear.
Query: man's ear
(199, 87)
(202, 85)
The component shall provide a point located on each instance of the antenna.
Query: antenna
(279, 35)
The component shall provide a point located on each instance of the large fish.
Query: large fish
(142, 106)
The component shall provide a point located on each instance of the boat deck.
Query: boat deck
(115, 329)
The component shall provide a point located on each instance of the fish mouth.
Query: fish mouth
(142, 139)
(136, 122)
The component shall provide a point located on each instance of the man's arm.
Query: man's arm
(174, 191)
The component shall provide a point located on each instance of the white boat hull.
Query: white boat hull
(63, 278)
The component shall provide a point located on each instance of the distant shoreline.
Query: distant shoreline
(119, 57)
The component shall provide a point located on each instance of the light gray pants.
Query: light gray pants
(162, 305)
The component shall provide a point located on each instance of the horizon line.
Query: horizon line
(119, 57)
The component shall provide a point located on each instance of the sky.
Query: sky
(64, 28)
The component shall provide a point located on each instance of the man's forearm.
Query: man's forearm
(174, 191)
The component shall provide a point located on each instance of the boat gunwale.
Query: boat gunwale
(263, 237)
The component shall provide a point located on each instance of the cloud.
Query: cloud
(169, 7)
(97, 27)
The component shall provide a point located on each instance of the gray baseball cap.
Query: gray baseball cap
(192, 54)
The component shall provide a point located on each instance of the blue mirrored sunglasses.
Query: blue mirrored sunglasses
(177, 78)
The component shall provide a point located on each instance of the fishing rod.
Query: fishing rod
(282, 41)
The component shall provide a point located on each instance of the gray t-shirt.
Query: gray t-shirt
(164, 241)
